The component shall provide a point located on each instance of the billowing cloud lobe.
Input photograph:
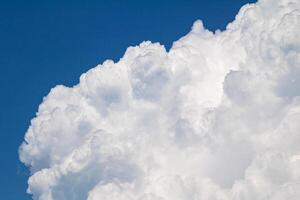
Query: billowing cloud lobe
(214, 118)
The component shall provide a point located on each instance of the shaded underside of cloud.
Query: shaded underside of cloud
(214, 118)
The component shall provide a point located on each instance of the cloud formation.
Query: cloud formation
(214, 118)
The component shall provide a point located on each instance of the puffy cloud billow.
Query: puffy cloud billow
(217, 117)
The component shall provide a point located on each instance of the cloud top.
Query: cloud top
(214, 118)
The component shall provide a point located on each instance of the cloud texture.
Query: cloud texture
(217, 117)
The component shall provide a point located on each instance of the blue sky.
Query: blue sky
(43, 44)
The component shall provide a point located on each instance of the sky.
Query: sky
(44, 44)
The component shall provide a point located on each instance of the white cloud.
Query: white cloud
(215, 118)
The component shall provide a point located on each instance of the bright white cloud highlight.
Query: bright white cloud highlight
(215, 118)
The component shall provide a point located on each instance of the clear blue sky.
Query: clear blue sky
(45, 43)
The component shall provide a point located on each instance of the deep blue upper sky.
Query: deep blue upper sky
(45, 43)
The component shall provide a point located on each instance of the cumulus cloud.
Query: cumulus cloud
(214, 118)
